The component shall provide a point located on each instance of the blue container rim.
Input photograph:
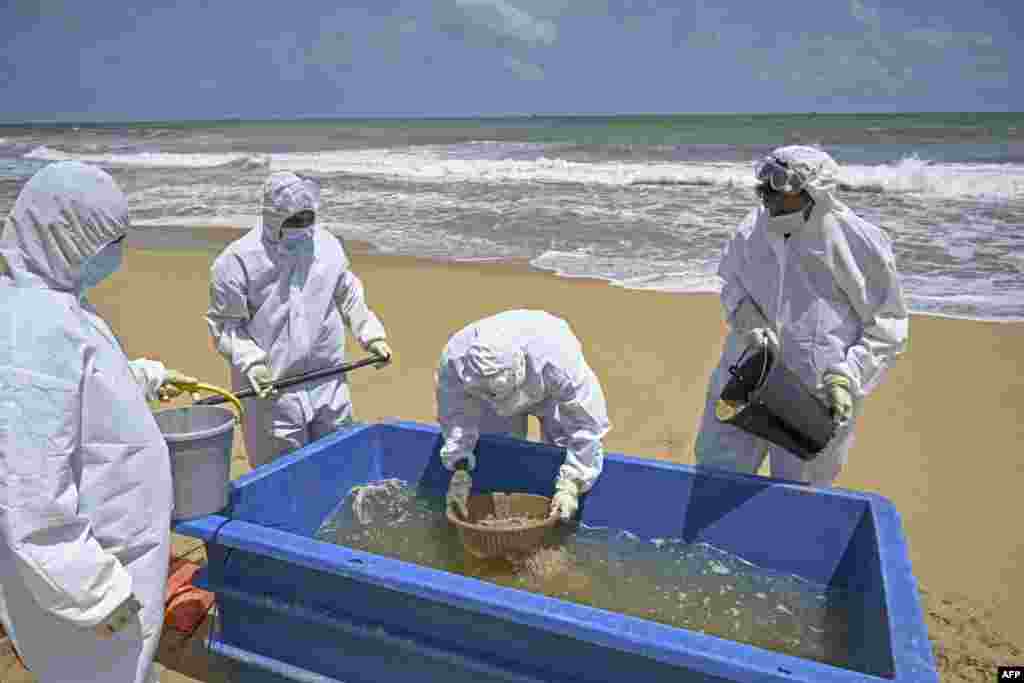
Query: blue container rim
(911, 648)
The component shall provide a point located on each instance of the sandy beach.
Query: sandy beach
(940, 439)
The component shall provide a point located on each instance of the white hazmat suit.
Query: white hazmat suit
(85, 479)
(284, 304)
(551, 380)
(831, 295)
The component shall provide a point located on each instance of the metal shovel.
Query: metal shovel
(299, 379)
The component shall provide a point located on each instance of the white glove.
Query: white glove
(380, 348)
(170, 389)
(566, 500)
(458, 492)
(451, 459)
(260, 378)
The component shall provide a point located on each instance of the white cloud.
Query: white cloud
(525, 71)
(510, 21)
(879, 59)
(932, 37)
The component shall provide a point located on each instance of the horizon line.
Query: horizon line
(476, 117)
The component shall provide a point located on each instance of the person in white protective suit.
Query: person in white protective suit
(279, 300)
(496, 372)
(817, 282)
(85, 477)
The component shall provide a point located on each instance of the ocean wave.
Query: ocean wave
(913, 175)
(665, 272)
(908, 176)
(698, 182)
(154, 159)
(239, 222)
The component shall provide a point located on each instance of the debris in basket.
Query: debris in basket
(508, 522)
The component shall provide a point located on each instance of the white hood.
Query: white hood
(492, 350)
(63, 216)
(284, 195)
(819, 171)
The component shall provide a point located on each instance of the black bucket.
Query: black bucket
(767, 399)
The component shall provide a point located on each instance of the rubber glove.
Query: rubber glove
(170, 389)
(260, 378)
(759, 334)
(840, 400)
(458, 490)
(119, 618)
(566, 500)
(380, 348)
(453, 459)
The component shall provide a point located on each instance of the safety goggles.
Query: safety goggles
(302, 219)
(777, 175)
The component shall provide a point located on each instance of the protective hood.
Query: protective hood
(819, 171)
(63, 216)
(490, 353)
(284, 195)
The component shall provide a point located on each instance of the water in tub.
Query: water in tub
(690, 586)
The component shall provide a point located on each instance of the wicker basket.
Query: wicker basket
(486, 541)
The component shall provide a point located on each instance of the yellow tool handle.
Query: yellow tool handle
(194, 387)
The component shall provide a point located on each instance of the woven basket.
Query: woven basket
(486, 541)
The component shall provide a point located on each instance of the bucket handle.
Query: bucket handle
(194, 387)
(734, 368)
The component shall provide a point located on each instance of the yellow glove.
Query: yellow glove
(170, 389)
(380, 348)
(840, 400)
(121, 617)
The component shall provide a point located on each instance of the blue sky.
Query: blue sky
(104, 60)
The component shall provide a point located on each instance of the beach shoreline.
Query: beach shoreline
(170, 235)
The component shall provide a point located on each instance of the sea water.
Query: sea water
(691, 586)
(643, 202)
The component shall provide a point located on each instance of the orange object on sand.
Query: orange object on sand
(186, 606)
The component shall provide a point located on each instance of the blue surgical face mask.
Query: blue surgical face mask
(298, 228)
(105, 263)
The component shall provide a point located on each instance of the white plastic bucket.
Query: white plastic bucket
(199, 439)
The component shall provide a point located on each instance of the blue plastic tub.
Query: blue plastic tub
(295, 609)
